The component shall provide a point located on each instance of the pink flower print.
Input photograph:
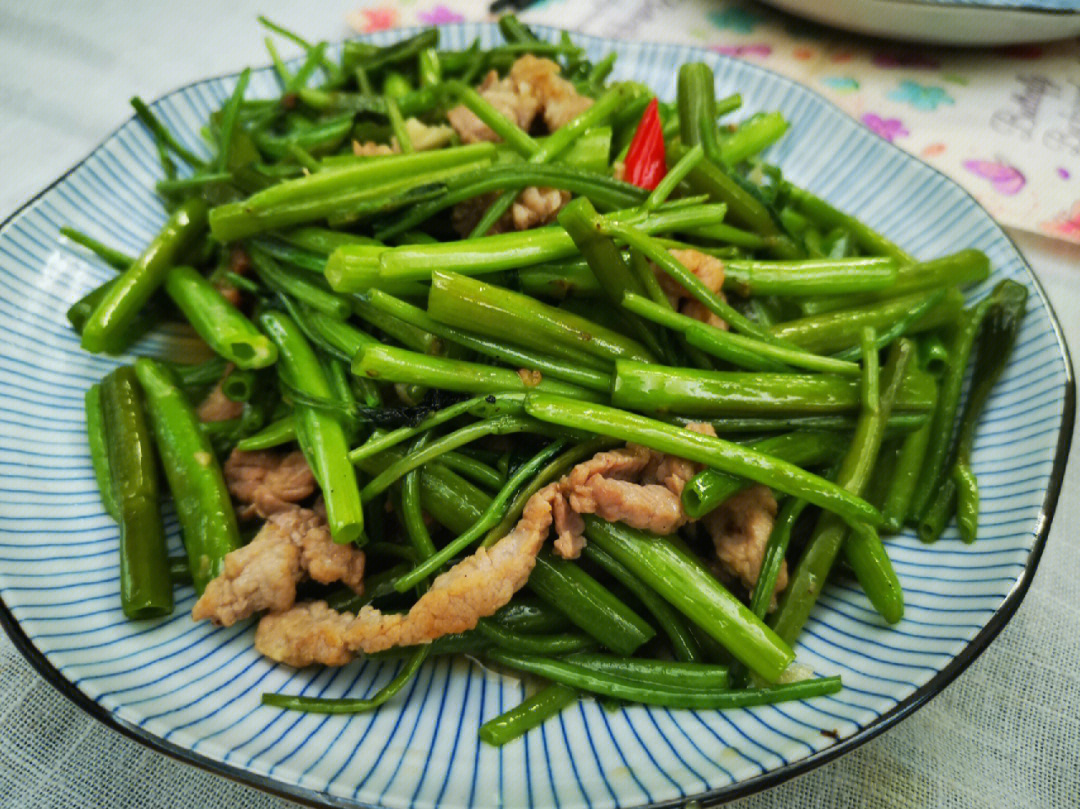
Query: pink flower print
(1067, 226)
(368, 20)
(759, 49)
(888, 128)
(1005, 178)
(440, 15)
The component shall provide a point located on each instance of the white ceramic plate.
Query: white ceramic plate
(947, 22)
(193, 691)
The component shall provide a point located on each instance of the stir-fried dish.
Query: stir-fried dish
(507, 359)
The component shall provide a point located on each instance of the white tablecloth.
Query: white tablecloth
(1005, 734)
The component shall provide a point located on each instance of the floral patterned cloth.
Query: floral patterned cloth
(1003, 122)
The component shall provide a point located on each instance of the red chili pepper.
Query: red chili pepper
(646, 164)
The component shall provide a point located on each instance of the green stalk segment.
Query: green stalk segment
(130, 292)
(329, 705)
(706, 394)
(356, 268)
(608, 685)
(341, 190)
(835, 331)
(499, 425)
(509, 355)
(706, 449)
(320, 433)
(467, 303)
(487, 521)
(812, 571)
(829, 217)
(709, 488)
(745, 352)
(531, 713)
(99, 450)
(687, 585)
(590, 606)
(959, 489)
(145, 586)
(806, 277)
(195, 478)
(958, 269)
(384, 363)
(224, 328)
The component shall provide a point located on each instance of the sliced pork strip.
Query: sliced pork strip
(218, 407)
(472, 589)
(710, 270)
(533, 207)
(532, 87)
(268, 482)
(648, 507)
(264, 573)
(633, 485)
(569, 528)
(514, 102)
(624, 463)
(537, 206)
(674, 472)
(740, 528)
(370, 148)
(559, 100)
(308, 633)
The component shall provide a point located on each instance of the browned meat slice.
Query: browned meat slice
(308, 633)
(533, 87)
(264, 573)
(218, 407)
(562, 108)
(624, 463)
(632, 485)
(533, 207)
(372, 149)
(230, 293)
(239, 261)
(707, 268)
(472, 589)
(740, 528)
(711, 272)
(650, 506)
(423, 137)
(268, 482)
(467, 214)
(517, 104)
(559, 100)
(569, 526)
(608, 485)
(674, 472)
(537, 206)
